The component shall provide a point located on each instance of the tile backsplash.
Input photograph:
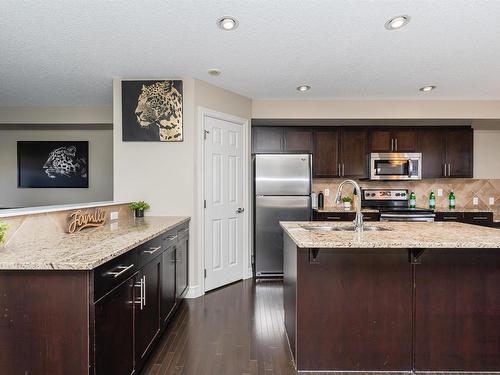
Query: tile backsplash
(465, 190)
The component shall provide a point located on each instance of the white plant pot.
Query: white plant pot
(347, 205)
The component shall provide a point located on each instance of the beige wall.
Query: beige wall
(56, 115)
(164, 174)
(375, 109)
(100, 168)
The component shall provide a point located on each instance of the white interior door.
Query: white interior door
(223, 185)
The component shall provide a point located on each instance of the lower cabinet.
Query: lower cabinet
(477, 218)
(147, 310)
(114, 331)
(131, 312)
(344, 216)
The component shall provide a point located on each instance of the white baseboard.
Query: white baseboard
(194, 292)
(249, 274)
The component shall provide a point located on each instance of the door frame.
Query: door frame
(199, 290)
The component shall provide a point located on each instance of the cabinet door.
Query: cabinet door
(167, 303)
(381, 141)
(432, 146)
(405, 140)
(181, 270)
(459, 152)
(354, 153)
(326, 153)
(298, 140)
(267, 139)
(147, 314)
(456, 311)
(114, 331)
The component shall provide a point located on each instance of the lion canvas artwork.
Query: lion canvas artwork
(152, 111)
(53, 164)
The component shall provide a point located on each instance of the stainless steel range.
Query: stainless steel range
(392, 205)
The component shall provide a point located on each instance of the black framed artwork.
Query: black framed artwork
(152, 111)
(53, 164)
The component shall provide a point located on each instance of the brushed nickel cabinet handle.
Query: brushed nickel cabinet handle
(343, 169)
(449, 169)
(395, 144)
(152, 250)
(479, 218)
(333, 217)
(140, 286)
(171, 237)
(123, 270)
(144, 288)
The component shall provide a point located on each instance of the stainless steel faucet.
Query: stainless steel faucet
(358, 220)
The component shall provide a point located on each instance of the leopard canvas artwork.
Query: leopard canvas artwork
(152, 111)
(53, 164)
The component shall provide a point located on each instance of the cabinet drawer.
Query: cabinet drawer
(182, 232)
(113, 273)
(150, 250)
(479, 218)
(449, 216)
(169, 238)
(371, 216)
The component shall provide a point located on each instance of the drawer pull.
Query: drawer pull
(123, 270)
(333, 217)
(480, 218)
(184, 230)
(450, 218)
(141, 299)
(152, 250)
(171, 237)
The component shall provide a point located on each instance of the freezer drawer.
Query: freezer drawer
(269, 211)
(283, 174)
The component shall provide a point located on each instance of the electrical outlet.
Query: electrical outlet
(327, 192)
(491, 201)
(114, 226)
(440, 192)
(113, 215)
(475, 201)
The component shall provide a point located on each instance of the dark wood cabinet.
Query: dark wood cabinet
(167, 303)
(398, 139)
(267, 139)
(181, 275)
(298, 140)
(326, 153)
(446, 152)
(432, 145)
(114, 331)
(147, 312)
(343, 216)
(456, 311)
(274, 139)
(459, 152)
(353, 152)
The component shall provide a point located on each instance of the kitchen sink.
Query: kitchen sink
(347, 228)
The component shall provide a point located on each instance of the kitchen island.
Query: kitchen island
(93, 302)
(404, 297)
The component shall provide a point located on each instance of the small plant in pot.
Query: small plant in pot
(139, 208)
(347, 202)
(3, 230)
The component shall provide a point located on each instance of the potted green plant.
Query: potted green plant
(3, 230)
(347, 202)
(139, 208)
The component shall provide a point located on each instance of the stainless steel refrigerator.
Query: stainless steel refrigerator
(282, 193)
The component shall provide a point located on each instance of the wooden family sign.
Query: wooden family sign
(79, 220)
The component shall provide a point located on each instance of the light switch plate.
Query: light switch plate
(440, 192)
(113, 215)
(491, 201)
(475, 201)
(327, 192)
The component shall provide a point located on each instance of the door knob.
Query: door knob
(240, 210)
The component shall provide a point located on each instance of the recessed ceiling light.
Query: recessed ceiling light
(397, 22)
(427, 88)
(303, 88)
(227, 23)
(214, 72)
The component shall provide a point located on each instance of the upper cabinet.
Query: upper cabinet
(274, 139)
(326, 153)
(393, 140)
(446, 152)
(340, 152)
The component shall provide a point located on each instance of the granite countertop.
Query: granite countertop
(84, 250)
(400, 235)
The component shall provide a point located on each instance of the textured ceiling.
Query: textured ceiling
(67, 52)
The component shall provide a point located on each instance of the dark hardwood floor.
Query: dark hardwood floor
(234, 330)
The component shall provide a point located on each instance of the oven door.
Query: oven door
(395, 166)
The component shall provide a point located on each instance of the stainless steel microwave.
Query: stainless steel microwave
(395, 166)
